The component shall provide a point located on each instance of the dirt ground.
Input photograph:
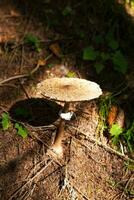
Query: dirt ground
(90, 169)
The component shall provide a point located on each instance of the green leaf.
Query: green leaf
(71, 74)
(119, 61)
(99, 39)
(81, 34)
(33, 41)
(129, 136)
(99, 67)
(50, 65)
(129, 165)
(112, 43)
(115, 132)
(5, 121)
(21, 130)
(131, 192)
(105, 56)
(89, 53)
(67, 11)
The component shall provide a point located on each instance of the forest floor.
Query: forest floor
(90, 168)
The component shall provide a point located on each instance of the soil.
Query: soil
(89, 169)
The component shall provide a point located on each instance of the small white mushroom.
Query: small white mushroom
(68, 90)
(67, 116)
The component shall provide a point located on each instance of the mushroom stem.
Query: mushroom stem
(57, 146)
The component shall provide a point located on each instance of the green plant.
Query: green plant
(129, 191)
(33, 41)
(67, 11)
(115, 132)
(128, 165)
(126, 135)
(71, 74)
(129, 137)
(111, 182)
(112, 43)
(99, 67)
(100, 59)
(104, 105)
(89, 53)
(119, 61)
(5, 121)
(22, 131)
(50, 65)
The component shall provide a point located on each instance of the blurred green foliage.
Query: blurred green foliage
(33, 41)
(5, 121)
(117, 134)
(22, 131)
(111, 56)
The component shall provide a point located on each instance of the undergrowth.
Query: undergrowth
(101, 58)
(113, 126)
(6, 123)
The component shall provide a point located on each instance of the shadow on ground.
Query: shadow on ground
(73, 30)
(76, 24)
(35, 111)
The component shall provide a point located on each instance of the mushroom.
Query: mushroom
(68, 90)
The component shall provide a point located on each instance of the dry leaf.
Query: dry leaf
(3, 38)
(1, 51)
(14, 13)
(41, 62)
(112, 115)
(56, 50)
(120, 119)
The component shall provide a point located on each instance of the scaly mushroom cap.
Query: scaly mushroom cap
(69, 89)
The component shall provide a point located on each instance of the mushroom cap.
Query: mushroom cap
(69, 89)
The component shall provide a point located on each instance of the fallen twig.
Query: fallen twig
(33, 170)
(107, 148)
(23, 75)
(8, 85)
(14, 78)
(78, 191)
(50, 151)
(81, 143)
(30, 180)
(24, 90)
(129, 180)
(70, 187)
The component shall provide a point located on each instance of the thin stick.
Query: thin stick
(107, 148)
(58, 161)
(8, 85)
(78, 191)
(13, 78)
(81, 143)
(23, 75)
(34, 168)
(24, 90)
(129, 180)
(30, 180)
